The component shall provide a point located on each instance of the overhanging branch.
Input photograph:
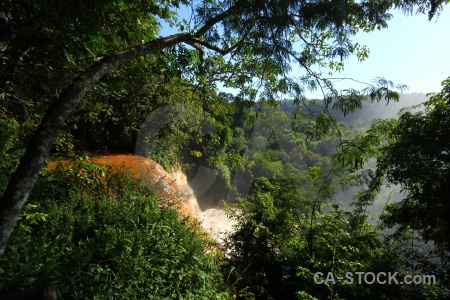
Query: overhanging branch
(214, 47)
(216, 19)
(22, 181)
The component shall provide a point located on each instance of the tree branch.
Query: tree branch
(22, 181)
(214, 20)
(216, 48)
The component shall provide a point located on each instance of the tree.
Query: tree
(232, 41)
(416, 156)
(107, 237)
(282, 239)
(411, 151)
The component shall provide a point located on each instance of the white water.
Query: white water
(214, 220)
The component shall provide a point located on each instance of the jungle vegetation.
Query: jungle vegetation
(80, 76)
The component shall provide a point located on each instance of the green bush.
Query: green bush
(107, 239)
(11, 148)
(282, 239)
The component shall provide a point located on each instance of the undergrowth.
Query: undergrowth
(107, 237)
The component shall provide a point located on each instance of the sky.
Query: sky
(411, 51)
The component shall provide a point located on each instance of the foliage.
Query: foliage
(48, 47)
(109, 236)
(8, 141)
(282, 239)
(410, 152)
(113, 113)
(286, 232)
(45, 45)
(11, 147)
(417, 157)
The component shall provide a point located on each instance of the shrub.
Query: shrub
(107, 238)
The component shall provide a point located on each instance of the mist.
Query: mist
(210, 191)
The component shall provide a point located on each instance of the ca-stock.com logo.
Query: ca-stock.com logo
(373, 278)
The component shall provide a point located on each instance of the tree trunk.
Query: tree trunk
(22, 181)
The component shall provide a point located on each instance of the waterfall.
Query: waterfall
(213, 219)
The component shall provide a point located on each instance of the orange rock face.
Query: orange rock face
(174, 185)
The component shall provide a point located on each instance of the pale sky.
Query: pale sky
(411, 51)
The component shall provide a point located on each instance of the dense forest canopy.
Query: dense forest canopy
(79, 75)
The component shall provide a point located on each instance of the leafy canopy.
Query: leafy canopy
(417, 157)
